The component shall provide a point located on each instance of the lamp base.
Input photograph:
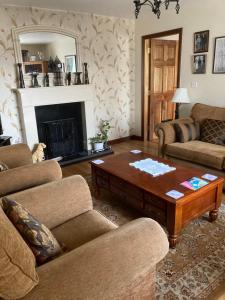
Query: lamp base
(177, 110)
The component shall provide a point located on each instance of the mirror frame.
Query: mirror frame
(41, 28)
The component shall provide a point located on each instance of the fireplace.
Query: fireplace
(62, 128)
(30, 99)
(60, 116)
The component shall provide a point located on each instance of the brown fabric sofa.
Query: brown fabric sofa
(101, 261)
(194, 153)
(22, 173)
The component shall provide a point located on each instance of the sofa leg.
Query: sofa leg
(172, 241)
(213, 215)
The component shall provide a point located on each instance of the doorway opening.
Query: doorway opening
(161, 57)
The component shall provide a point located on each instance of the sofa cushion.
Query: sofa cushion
(37, 235)
(199, 152)
(3, 167)
(82, 229)
(212, 131)
(186, 132)
(17, 263)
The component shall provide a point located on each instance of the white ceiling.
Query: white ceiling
(117, 8)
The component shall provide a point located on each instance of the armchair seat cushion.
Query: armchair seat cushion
(82, 229)
(199, 152)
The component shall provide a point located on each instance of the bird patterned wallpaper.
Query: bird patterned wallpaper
(106, 44)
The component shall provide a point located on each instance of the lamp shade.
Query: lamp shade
(181, 96)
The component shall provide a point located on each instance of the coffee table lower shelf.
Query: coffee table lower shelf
(174, 215)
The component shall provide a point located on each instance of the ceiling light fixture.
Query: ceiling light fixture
(155, 6)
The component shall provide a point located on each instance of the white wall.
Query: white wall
(195, 15)
(105, 43)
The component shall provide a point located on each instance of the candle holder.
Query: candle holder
(85, 78)
(46, 80)
(21, 80)
(68, 78)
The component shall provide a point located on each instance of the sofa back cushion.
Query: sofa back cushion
(213, 131)
(17, 263)
(200, 112)
(186, 132)
(40, 239)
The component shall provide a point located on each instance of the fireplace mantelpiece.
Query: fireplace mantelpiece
(29, 98)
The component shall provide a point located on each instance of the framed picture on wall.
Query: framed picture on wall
(199, 64)
(201, 41)
(70, 63)
(219, 56)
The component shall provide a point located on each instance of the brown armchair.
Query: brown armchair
(102, 261)
(22, 173)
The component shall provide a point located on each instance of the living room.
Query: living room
(112, 132)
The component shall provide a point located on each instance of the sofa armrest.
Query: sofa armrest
(166, 133)
(16, 155)
(108, 267)
(56, 202)
(22, 178)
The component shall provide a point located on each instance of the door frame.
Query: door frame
(178, 31)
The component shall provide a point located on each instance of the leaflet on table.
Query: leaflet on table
(152, 167)
(135, 151)
(98, 161)
(175, 194)
(209, 177)
(194, 183)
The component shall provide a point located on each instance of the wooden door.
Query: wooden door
(162, 82)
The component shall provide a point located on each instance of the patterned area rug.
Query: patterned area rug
(197, 265)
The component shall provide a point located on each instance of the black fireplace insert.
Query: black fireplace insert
(62, 128)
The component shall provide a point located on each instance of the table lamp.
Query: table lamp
(180, 97)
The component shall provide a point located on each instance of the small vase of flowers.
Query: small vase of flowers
(99, 142)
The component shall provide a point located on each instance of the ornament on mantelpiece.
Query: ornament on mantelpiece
(58, 76)
(77, 79)
(51, 65)
(58, 63)
(68, 78)
(21, 79)
(35, 83)
(46, 80)
(85, 77)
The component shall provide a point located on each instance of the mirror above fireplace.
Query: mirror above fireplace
(43, 49)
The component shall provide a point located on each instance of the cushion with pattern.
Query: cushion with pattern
(3, 167)
(40, 239)
(213, 131)
(186, 132)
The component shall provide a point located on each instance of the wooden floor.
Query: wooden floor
(84, 168)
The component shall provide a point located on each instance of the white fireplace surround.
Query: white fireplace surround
(29, 98)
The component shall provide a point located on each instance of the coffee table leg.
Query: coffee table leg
(96, 189)
(174, 221)
(213, 214)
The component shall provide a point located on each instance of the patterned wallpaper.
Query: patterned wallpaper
(106, 43)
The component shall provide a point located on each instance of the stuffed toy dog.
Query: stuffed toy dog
(38, 155)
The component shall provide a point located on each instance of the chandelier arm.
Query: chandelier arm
(155, 6)
(147, 2)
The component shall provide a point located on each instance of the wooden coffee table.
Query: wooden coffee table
(147, 194)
